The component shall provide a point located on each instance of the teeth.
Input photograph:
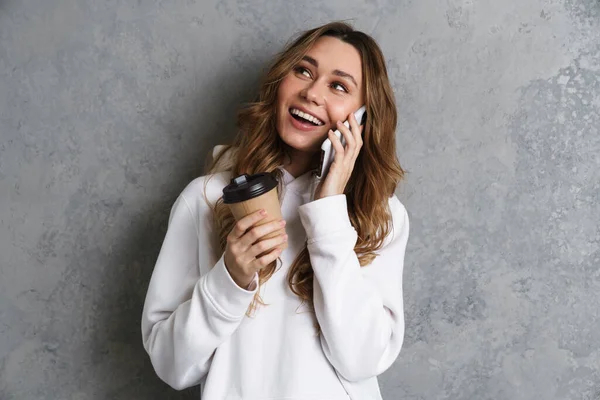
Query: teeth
(306, 116)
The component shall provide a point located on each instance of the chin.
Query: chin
(302, 143)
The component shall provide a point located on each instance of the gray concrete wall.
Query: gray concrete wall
(108, 108)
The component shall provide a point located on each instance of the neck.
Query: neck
(300, 162)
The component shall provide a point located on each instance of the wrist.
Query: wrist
(245, 282)
(242, 280)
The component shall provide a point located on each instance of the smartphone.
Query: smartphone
(327, 150)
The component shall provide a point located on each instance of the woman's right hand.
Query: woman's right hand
(246, 253)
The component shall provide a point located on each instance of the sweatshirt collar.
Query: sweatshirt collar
(302, 184)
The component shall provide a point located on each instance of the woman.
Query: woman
(322, 318)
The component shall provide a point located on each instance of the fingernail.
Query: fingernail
(263, 212)
(285, 238)
(282, 222)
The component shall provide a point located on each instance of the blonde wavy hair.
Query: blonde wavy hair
(377, 171)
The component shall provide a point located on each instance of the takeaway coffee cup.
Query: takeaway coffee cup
(248, 193)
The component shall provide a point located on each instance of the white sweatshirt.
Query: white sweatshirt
(194, 325)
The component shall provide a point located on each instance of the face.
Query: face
(326, 86)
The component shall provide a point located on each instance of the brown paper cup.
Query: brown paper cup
(270, 203)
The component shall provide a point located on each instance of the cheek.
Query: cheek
(338, 112)
(283, 95)
(286, 88)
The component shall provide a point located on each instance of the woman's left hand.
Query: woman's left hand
(344, 159)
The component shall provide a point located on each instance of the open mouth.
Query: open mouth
(304, 117)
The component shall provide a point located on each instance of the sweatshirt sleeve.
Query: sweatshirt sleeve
(360, 309)
(188, 314)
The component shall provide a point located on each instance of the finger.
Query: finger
(265, 260)
(247, 222)
(356, 133)
(337, 146)
(257, 232)
(350, 141)
(265, 245)
(354, 127)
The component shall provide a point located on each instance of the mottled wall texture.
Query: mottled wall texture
(109, 108)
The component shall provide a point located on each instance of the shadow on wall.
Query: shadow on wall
(119, 343)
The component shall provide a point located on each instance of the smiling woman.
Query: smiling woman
(206, 318)
(324, 88)
(328, 90)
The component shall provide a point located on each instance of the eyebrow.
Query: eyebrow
(337, 72)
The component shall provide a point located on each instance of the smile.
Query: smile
(297, 114)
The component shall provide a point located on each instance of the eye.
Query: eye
(302, 71)
(339, 86)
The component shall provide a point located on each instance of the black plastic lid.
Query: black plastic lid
(246, 187)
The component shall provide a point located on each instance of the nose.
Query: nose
(313, 92)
